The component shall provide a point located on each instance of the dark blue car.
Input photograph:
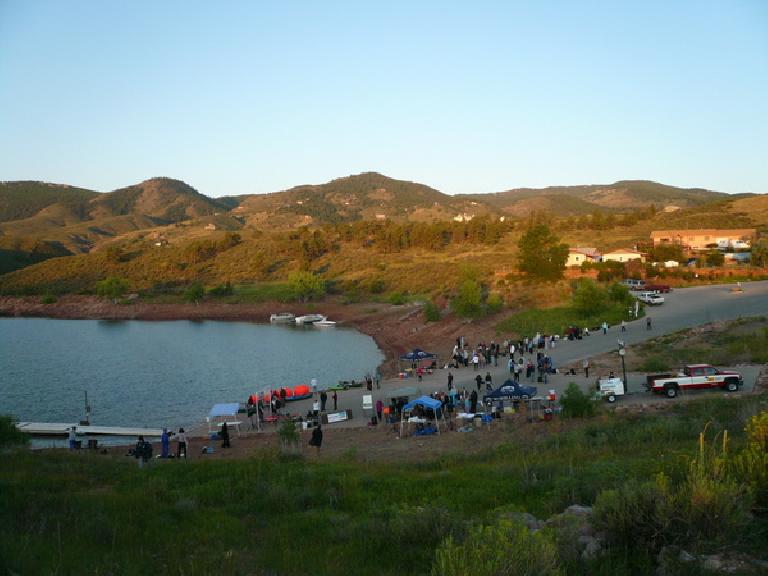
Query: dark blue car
(511, 390)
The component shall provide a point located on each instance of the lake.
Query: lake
(158, 374)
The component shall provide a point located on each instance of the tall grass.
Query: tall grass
(84, 513)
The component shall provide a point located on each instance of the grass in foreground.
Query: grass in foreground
(82, 513)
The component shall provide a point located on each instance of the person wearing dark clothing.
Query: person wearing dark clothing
(488, 382)
(473, 401)
(479, 381)
(181, 448)
(648, 323)
(323, 400)
(317, 438)
(335, 401)
(143, 451)
(224, 435)
(450, 381)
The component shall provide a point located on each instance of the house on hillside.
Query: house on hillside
(623, 255)
(577, 256)
(705, 238)
(210, 226)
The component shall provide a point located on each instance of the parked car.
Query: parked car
(693, 377)
(633, 284)
(658, 288)
(651, 298)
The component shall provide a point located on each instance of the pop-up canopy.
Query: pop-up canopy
(418, 354)
(425, 401)
(220, 410)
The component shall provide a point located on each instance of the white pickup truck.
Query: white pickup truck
(651, 298)
(694, 377)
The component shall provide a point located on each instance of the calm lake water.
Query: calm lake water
(163, 373)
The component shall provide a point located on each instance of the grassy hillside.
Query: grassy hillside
(621, 195)
(19, 200)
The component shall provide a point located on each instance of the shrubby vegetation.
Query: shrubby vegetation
(652, 479)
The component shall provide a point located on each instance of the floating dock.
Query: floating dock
(62, 429)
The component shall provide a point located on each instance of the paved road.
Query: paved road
(683, 308)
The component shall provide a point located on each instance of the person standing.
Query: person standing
(313, 385)
(478, 381)
(72, 438)
(488, 382)
(450, 380)
(623, 325)
(648, 323)
(475, 361)
(585, 365)
(181, 437)
(379, 409)
(165, 443)
(323, 400)
(605, 328)
(335, 398)
(224, 435)
(317, 438)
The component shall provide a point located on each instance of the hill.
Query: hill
(23, 199)
(576, 200)
(367, 196)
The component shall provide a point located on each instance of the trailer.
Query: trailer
(611, 388)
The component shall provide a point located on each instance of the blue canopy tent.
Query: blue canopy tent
(425, 402)
(417, 355)
(511, 390)
(221, 413)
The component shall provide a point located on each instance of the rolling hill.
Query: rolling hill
(576, 200)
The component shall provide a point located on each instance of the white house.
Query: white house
(622, 255)
(577, 256)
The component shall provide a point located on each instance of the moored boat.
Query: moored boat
(282, 317)
(325, 323)
(309, 318)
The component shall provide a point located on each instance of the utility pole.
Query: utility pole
(622, 353)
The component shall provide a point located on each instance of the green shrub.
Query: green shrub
(9, 434)
(431, 312)
(305, 285)
(655, 364)
(397, 298)
(222, 290)
(495, 303)
(468, 302)
(49, 299)
(194, 292)
(112, 287)
(505, 548)
(575, 403)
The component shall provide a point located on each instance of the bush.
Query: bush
(494, 303)
(112, 287)
(49, 299)
(589, 298)
(654, 364)
(751, 464)
(9, 434)
(305, 285)
(575, 403)
(222, 290)
(194, 293)
(468, 302)
(431, 312)
(397, 298)
(505, 548)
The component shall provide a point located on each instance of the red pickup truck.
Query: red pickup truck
(658, 288)
(693, 377)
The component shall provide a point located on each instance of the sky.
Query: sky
(467, 97)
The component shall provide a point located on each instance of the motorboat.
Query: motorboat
(325, 324)
(282, 317)
(309, 318)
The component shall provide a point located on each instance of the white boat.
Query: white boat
(325, 323)
(309, 318)
(282, 317)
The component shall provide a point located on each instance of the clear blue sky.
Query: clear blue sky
(243, 97)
